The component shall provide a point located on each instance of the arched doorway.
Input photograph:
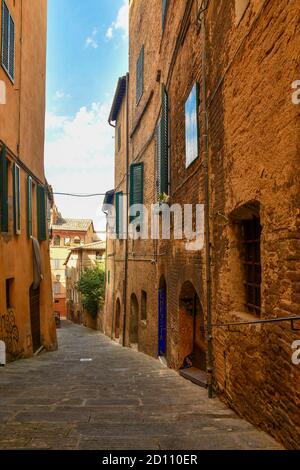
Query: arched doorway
(134, 320)
(118, 317)
(191, 326)
(162, 318)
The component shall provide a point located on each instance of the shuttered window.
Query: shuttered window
(29, 206)
(17, 199)
(41, 213)
(136, 185)
(164, 145)
(140, 76)
(8, 42)
(164, 8)
(3, 191)
(119, 215)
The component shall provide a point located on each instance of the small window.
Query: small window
(56, 264)
(77, 240)
(67, 241)
(57, 288)
(164, 7)
(56, 241)
(108, 277)
(251, 232)
(144, 306)
(191, 126)
(140, 76)
(8, 42)
(9, 293)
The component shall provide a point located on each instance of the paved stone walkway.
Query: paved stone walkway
(120, 400)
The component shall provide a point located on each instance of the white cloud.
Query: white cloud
(59, 95)
(91, 40)
(121, 23)
(79, 159)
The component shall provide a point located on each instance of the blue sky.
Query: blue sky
(87, 51)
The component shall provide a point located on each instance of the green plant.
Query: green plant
(91, 286)
(163, 198)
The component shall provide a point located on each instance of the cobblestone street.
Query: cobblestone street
(120, 400)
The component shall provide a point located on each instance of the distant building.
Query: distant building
(26, 314)
(66, 234)
(80, 258)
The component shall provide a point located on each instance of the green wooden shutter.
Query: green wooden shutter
(29, 206)
(136, 184)
(11, 69)
(119, 214)
(5, 36)
(16, 199)
(3, 191)
(164, 143)
(41, 213)
(140, 75)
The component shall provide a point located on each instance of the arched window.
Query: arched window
(56, 241)
(77, 240)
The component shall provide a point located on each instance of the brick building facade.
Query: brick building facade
(222, 70)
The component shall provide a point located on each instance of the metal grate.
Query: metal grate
(252, 262)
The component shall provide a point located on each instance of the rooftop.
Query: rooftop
(75, 225)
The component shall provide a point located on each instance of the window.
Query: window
(3, 191)
(140, 76)
(67, 241)
(8, 42)
(251, 232)
(77, 240)
(136, 186)
(55, 263)
(16, 199)
(108, 277)
(9, 292)
(144, 306)
(119, 138)
(29, 206)
(119, 215)
(191, 126)
(41, 213)
(163, 146)
(56, 241)
(164, 7)
(56, 288)
(240, 8)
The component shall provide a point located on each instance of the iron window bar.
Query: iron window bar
(261, 321)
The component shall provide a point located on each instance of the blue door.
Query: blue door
(162, 322)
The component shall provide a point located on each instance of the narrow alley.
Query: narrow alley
(93, 394)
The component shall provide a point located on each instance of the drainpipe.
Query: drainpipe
(127, 212)
(207, 216)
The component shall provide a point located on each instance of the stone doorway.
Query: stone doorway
(134, 321)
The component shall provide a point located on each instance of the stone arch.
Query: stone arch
(191, 327)
(134, 320)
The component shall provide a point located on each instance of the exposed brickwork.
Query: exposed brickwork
(253, 147)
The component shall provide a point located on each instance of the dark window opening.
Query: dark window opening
(144, 306)
(251, 232)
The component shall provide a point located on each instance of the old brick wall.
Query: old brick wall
(254, 150)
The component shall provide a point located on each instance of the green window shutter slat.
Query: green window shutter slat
(164, 143)
(3, 191)
(11, 70)
(41, 213)
(119, 214)
(29, 206)
(136, 184)
(5, 36)
(140, 75)
(16, 199)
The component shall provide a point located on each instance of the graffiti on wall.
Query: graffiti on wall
(9, 333)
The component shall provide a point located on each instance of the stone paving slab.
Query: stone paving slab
(122, 399)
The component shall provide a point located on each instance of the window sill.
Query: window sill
(243, 316)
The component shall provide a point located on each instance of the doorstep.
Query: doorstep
(195, 375)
